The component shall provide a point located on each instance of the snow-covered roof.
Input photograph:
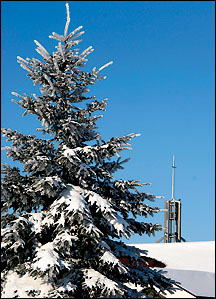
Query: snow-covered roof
(190, 263)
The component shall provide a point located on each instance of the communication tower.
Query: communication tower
(172, 217)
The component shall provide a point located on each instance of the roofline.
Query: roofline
(185, 290)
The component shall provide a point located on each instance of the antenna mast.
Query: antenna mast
(173, 204)
(173, 167)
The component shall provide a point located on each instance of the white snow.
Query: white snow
(61, 220)
(18, 243)
(177, 294)
(65, 236)
(47, 257)
(72, 199)
(36, 220)
(119, 224)
(68, 20)
(67, 287)
(67, 152)
(109, 258)
(91, 228)
(47, 221)
(180, 294)
(199, 283)
(53, 180)
(16, 285)
(93, 278)
(190, 263)
(104, 66)
(41, 50)
(197, 256)
(100, 202)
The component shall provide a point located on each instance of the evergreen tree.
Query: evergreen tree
(67, 208)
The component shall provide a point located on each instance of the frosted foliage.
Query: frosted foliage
(104, 66)
(41, 50)
(68, 20)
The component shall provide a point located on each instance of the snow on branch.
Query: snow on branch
(110, 258)
(47, 259)
(57, 37)
(95, 279)
(68, 20)
(70, 154)
(41, 50)
(84, 54)
(65, 288)
(36, 220)
(119, 224)
(104, 66)
(12, 236)
(56, 65)
(100, 202)
(37, 98)
(23, 63)
(61, 51)
(76, 35)
(26, 285)
(73, 32)
(48, 186)
(20, 59)
(72, 198)
(50, 82)
(65, 236)
(17, 95)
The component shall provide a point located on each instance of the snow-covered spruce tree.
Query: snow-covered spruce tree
(67, 208)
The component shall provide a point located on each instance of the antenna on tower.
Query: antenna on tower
(173, 167)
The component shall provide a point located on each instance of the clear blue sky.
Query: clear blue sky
(160, 85)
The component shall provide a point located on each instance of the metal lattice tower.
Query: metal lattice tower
(172, 217)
